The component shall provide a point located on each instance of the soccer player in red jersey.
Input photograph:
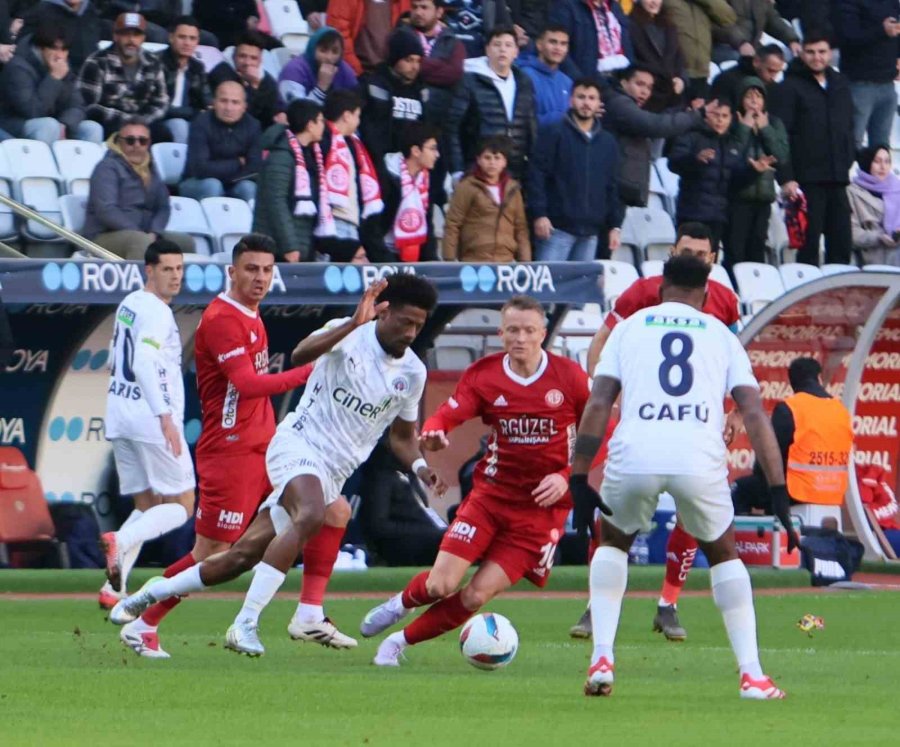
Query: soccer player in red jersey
(722, 303)
(515, 515)
(235, 386)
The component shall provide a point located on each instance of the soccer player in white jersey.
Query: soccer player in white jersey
(673, 365)
(365, 380)
(145, 416)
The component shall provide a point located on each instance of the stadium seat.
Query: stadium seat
(476, 321)
(798, 273)
(76, 160)
(837, 268)
(169, 160)
(625, 253)
(574, 344)
(36, 183)
(881, 268)
(209, 56)
(8, 228)
(456, 352)
(714, 71)
(777, 238)
(617, 276)
(720, 275)
(187, 216)
(285, 54)
(651, 267)
(580, 323)
(229, 219)
(287, 23)
(670, 181)
(73, 209)
(758, 284)
(650, 230)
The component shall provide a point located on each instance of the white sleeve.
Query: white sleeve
(327, 327)
(150, 332)
(410, 411)
(740, 372)
(609, 364)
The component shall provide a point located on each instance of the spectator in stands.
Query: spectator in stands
(260, 87)
(40, 98)
(230, 20)
(486, 218)
(123, 81)
(313, 12)
(394, 516)
(874, 199)
(186, 82)
(816, 107)
(79, 18)
(128, 204)
(444, 55)
(695, 22)
(404, 229)
(473, 20)
(766, 149)
(320, 69)
(552, 87)
(868, 32)
(815, 437)
(531, 16)
(7, 46)
(365, 26)
(495, 98)
(224, 154)
(159, 14)
(767, 64)
(599, 37)
(7, 342)
(708, 160)
(656, 48)
(633, 128)
(289, 195)
(392, 97)
(754, 18)
(572, 193)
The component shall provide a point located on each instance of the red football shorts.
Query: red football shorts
(519, 537)
(231, 489)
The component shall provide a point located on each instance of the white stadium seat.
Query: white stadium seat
(187, 216)
(758, 284)
(8, 228)
(617, 276)
(76, 160)
(74, 210)
(837, 268)
(229, 219)
(881, 268)
(650, 230)
(287, 23)
(209, 56)
(651, 267)
(456, 352)
(476, 321)
(36, 183)
(798, 273)
(720, 275)
(169, 160)
(580, 322)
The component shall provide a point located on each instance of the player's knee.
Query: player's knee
(339, 513)
(309, 518)
(474, 598)
(242, 559)
(439, 586)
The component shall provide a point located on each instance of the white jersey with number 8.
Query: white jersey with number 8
(676, 365)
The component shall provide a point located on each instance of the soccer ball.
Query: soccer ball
(488, 641)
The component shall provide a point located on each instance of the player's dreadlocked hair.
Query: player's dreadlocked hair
(406, 289)
(686, 271)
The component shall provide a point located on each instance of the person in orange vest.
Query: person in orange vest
(815, 435)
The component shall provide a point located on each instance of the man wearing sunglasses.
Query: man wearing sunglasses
(128, 205)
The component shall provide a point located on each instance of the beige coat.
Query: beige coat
(866, 223)
(477, 229)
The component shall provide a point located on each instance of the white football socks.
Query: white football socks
(609, 576)
(309, 613)
(180, 584)
(155, 522)
(266, 582)
(130, 556)
(733, 595)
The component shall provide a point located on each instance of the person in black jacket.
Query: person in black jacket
(656, 47)
(572, 190)
(815, 105)
(224, 154)
(494, 99)
(263, 101)
(7, 343)
(79, 18)
(766, 64)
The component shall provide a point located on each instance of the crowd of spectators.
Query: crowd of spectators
(530, 124)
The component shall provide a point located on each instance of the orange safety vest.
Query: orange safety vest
(818, 458)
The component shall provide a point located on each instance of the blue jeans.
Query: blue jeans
(874, 109)
(565, 247)
(200, 188)
(48, 130)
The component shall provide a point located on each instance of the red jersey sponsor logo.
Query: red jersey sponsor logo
(462, 531)
(554, 398)
(231, 354)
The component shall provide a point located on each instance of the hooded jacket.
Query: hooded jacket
(819, 124)
(552, 89)
(299, 78)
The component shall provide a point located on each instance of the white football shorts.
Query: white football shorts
(143, 465)
(290, 456)
(703, 504)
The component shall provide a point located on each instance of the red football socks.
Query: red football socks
(158, 611)
(318, 562)
(680, 552)
(416, 594)
(441, 617)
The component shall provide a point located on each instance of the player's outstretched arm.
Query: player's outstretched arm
(322, 342)
(405, 446)
(596, 347)
(762, 438)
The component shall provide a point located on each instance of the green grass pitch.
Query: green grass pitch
(66, 680)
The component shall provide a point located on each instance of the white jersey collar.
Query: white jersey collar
(239, 306)
(521, 379)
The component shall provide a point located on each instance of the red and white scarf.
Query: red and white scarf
(428, 44)
(338, 173)
(410, 226)
(609, 30)
(303, 201)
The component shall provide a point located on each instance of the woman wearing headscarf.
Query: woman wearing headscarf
(874, 197)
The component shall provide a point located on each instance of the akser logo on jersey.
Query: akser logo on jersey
(345, 398)
(352, 279)
(519, 278)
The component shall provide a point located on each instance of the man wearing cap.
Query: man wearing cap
(123, 81)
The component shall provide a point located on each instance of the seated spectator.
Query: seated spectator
(405, 223)
(767, 64)
(123, 81)
(656, 48)
(599, 37)
(572, 193)
(495, 98)
(186, 82)
(765, 148)
(128, 204)
(392, 96)
(41, 100)
(874, 196)
(261, 88)
(318, 70)
(229, 20)
(486, 218)
(365, 27)
(394, 515)
(7, 38)
(754, 18)
(224, 154)
(159, 14)
(83, 25)
(552, 87)
(289, 193)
